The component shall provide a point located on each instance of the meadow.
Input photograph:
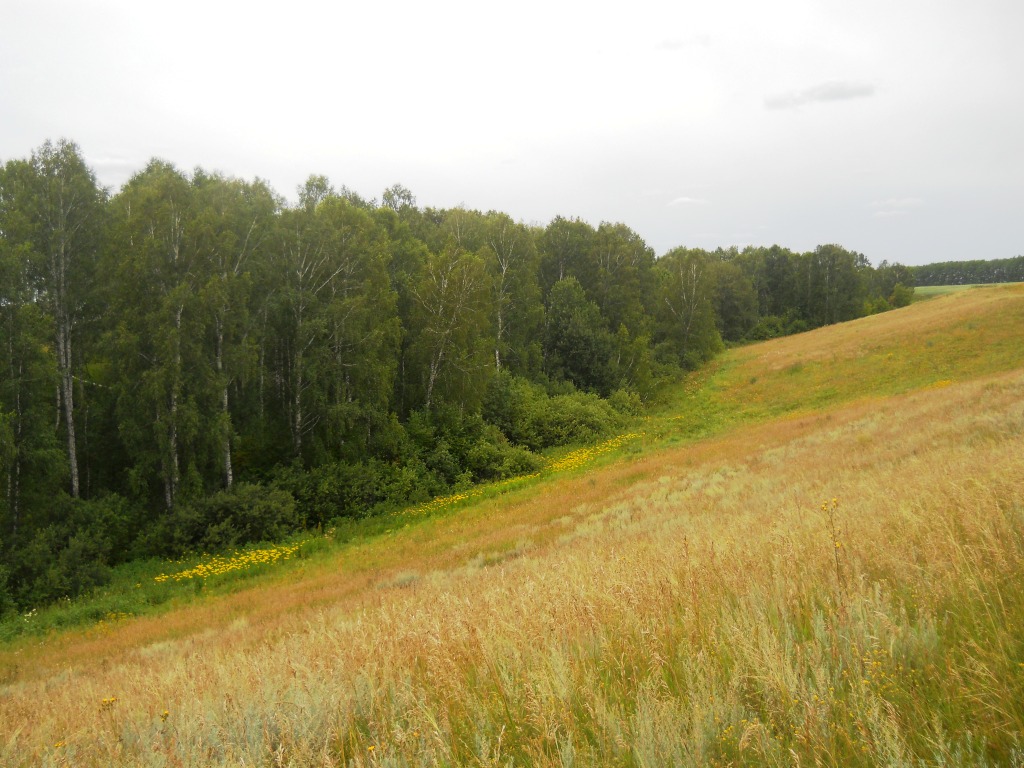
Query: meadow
(811, 552)
(925, 292)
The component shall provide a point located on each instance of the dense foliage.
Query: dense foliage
(971, 272)
(194, 363)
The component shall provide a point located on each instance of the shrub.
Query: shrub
(7, 605)
(498, 460)
(577, 418)
(529, 417)
(773, 326)
(507, 404)
(55, 564)
(343, 490)
(626, 402)
(876, 305)
(768, 327)
(901, 296)
(247, 513)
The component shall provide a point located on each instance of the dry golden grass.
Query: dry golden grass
(994, 307)
(687, 607)
(962, 336)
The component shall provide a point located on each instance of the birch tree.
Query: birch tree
(685, 306)
(162, 371)
(511, 260)
(450, 320)
(57, 213)
(234, 223)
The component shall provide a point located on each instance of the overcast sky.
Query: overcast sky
(892, 127)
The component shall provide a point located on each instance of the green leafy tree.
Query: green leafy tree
(54, 210)
(773, 274)
(302, 272)
(233, 223)
(399, 199)
(632, 362)
(33, 464)
(735, 301)
(166, 385)
(623, 278)
(462, 227)
(333, 331)
(511, 260)
(1009, 270)
(577, 344)
(686, 293)
(406, 255)
(565, 247)
(450, 325)
(886, 276)
(835, 284)
(362, 328)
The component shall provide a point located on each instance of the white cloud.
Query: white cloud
(831, 90)
(895, 207)
(683, 43)
(898, 202)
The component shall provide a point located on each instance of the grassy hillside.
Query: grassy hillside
(815, 553)
(925, 292)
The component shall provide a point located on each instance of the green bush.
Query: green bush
(56, 563)
(247, 513)
(72, 554)
(497, 459)
(577, 418)
(773, 326)
(876, 305)
(530, 417)
(342, 490)
(7, 605)
(768, 327)
(508, 405)
(902, 296)
(115, 519)
(626, 402)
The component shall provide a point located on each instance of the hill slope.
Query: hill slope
(815, 553)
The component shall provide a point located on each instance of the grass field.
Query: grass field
(924, 292)
(814, 554)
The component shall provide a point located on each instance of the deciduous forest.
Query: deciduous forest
(970, 272)
(192, 363)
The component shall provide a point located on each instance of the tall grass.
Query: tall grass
(837, 587)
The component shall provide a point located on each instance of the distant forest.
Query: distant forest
(192, 363)
(971, 272)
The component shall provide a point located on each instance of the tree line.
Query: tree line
(971, 272)
(192, 362)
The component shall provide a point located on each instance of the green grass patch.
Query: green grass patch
(925, 292)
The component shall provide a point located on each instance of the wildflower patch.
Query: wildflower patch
(573, 460)
(239, 561)
(583, 456)
(443, 502)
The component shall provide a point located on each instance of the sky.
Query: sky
(892, 127)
